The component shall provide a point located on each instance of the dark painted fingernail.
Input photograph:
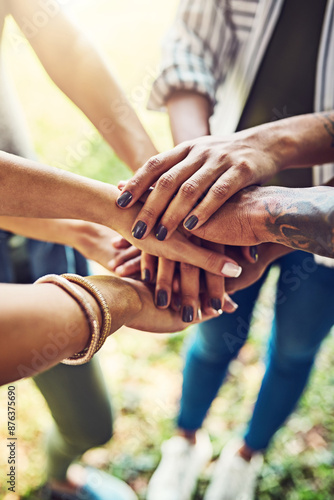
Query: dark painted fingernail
(216, 304)
(254, 253)
(161, 232)
(187, 314)
(162, 298)
(124, 199)
(146, 276)
(139, 230)
(191, 222)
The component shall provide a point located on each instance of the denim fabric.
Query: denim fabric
(304, 314)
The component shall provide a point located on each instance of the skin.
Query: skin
(93, 241)
(27, 331)
(189, 118)
(224, 165)
(108, 108)
(70, 196)
(299, 218)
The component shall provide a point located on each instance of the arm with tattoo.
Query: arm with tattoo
(300, 218)
(303, 219)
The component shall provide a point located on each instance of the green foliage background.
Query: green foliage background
(143, 371)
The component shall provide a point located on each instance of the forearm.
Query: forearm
(300, 218)
(79, 70)
(299, 141)
(189, 114)
(62, 231)
(40, 325)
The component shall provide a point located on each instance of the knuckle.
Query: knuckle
(212, 261)
(147, 213)
(166, 182)
(171, 220)
(187, 268)
(152, 164)
(189, 189)
(244, 170)
(135, 183)
(220, 190)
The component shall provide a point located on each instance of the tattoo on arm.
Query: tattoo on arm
(328, 123)
(304, 219)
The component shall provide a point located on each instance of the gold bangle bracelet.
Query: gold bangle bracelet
(102, 303)
(88, 352)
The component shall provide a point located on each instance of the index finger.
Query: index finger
(148, 174)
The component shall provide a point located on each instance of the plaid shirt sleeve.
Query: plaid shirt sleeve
(195, 51)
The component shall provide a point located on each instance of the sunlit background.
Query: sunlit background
(143, 371)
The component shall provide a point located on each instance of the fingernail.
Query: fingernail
(217, 305)
(146, 276)
(253, 253)
(161, 232)
(191, 222)
(231, 270)
(124, 199)
(139, 230)
(162, 298)
(187, 314)
(233, 304)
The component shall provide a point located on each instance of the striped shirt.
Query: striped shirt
(215, 47)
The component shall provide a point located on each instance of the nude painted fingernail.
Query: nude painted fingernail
(233, 304)
(124, 199)
(231, 270)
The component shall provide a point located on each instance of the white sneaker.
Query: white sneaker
(234, 478)
(181, 464)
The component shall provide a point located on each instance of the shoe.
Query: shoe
(92, 484)
(180, 465)
(234, 478)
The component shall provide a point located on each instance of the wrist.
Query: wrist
(189, 114)
(123, 300)
(266, 204)
(275, 139)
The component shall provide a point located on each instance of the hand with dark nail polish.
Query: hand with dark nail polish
(191, 222)
(254, 253)
(139, 230)
(188, 314)
(161, 233)
(162, 298)
(146, 276)
(124, 199)
(216, 304)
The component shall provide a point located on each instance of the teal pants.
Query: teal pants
(81, 410)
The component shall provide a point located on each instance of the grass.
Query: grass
(143, 371)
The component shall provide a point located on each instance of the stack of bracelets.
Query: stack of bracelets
(97, 335)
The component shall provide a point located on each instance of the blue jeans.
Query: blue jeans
(304, 314)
